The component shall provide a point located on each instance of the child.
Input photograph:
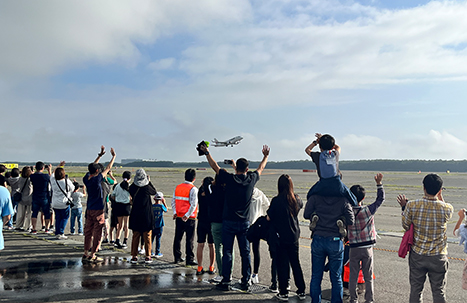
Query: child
(330, 183)
(77, 209)
(158, 207)
(362, 238)
(461, 232)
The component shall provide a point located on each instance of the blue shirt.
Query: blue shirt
(95, 195)
(328, 163)
(158, 210)
(6, 208)
(40, 186)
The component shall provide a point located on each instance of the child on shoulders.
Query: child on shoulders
(330, 183)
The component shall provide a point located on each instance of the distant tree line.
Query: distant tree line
(370, 165)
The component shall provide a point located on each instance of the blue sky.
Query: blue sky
(153, 78)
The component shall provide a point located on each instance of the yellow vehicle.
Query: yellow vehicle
(10, 165)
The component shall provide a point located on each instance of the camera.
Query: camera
(227, 161)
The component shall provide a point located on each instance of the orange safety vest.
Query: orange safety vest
(182, 200)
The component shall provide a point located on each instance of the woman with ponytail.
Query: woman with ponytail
(122, 208)
(284, 226)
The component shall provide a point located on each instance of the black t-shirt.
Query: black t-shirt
(2, 180)
(40, 186)
(284, 224)
(238, 192)
(203, 204)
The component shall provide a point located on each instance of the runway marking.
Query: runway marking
(383, 249)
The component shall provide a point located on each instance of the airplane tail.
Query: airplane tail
(215, 140)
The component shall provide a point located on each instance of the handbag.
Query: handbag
(259, 229)
(406, 243)
(18, 196)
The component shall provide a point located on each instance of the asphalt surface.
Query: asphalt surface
(40, 268)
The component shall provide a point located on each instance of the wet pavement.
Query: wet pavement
(41, 268)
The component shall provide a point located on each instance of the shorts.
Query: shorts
(202, 231)
(122, 209)
(41, 205)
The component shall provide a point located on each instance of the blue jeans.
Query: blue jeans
(15, 205)
(333, 249)
(230, 230)
(76, 213)
(61, 219)
(156, 239)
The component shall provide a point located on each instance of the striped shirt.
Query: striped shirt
(430, 218)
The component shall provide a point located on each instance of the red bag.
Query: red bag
(406, 243)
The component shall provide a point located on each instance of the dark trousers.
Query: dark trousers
(230, 231)
(287, 257)
(181, 228)
(256, 255)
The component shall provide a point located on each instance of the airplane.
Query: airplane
(233, 141)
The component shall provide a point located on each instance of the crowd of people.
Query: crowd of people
(230, 206)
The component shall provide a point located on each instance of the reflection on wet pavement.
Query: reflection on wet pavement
(73, 274)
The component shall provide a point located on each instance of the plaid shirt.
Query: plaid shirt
(430, 218)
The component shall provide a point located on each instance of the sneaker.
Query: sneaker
(33, 232)
(96, 259)
(49, 231)
(282, 297)
(148, 260)
(105, 241)
(273, 288)
(191, 263)
(112, 242)
(141, 251)
(255, 279)
(124, 245)
(43, 228)
(84, 258)
(200, 272)
(134, 260)
(245, 286)
(342, 230)
(313, 222)
(223, 287)
(62, 237)
(80, 234)
(213, 271)
(51, 227)
(216, 279)
(159, 255)
(301, 296)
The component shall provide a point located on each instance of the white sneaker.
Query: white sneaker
(217, 279)
(255, 279)
(141, 251)
(62, 237)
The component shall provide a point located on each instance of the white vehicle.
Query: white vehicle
(233, 141)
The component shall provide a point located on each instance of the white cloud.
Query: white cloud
(434, 145)
(52, 36)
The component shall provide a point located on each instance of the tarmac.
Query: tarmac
(41, 268)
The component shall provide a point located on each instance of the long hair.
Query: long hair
(125, 185)
(285, 187)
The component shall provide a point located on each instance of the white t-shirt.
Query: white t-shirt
(121, 195)
(259, 202)
(59, 200)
